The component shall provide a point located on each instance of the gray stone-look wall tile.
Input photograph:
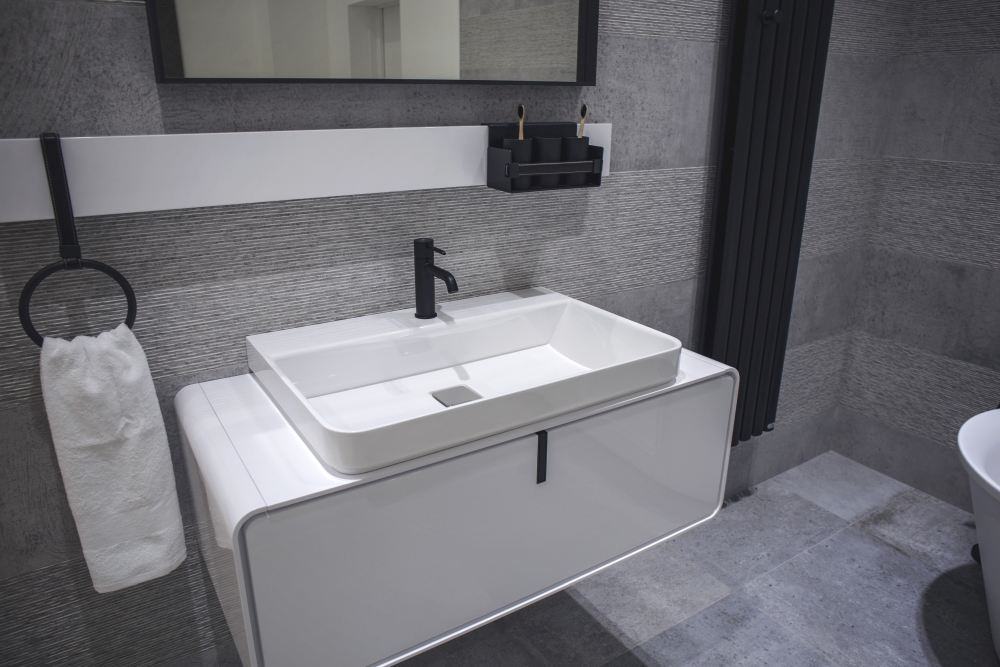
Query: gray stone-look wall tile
(658, 93)
(903, 455)
(206, 278)
(859, 92)
(915, 391)
(946, 108)
(668, 307)
(77, 68)
(943, 307)
(827, 288)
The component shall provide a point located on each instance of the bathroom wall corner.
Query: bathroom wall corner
(920, 462)
(770, 454)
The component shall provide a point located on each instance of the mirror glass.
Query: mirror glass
(441, 40)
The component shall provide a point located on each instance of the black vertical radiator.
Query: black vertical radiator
(774, 81)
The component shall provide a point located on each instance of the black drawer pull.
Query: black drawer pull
(543, 455)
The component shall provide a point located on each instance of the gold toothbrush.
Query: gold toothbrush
(520, 128)
(583, 121)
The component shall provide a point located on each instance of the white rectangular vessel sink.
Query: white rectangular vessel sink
(361, 392)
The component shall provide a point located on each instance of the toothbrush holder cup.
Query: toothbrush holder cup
(547, 149)
(573, 150)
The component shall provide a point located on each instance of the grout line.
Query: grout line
(790, 630)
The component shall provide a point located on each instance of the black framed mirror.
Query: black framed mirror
(547, 42)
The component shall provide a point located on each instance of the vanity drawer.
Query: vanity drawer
(355, 577)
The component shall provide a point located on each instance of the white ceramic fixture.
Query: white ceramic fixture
(360, 392)
(979, 443)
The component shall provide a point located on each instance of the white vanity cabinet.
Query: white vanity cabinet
(372, 570)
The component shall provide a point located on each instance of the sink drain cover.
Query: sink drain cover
(455, 395)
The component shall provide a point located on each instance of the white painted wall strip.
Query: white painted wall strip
(131, 174)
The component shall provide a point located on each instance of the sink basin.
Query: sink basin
(361, 392)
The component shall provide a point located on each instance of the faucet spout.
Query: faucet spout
(425, 272)
(438, 272)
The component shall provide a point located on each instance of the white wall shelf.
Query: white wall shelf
(132, 174)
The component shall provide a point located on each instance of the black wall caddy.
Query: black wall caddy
(69, 245)
(530, 164)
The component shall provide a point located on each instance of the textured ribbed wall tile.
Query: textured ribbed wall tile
(206, 278)
(812, 378)
(900, 27)
(843, 201)
(941, 210)
(870, 26)
(37, 528)
(53, 616)
(697, 21)
(916, 391)
(965, 26)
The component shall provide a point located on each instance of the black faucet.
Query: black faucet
(426, 272)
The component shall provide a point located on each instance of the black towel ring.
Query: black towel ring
(69, 246)
(24, 305)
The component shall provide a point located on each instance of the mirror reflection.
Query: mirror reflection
(495, 40)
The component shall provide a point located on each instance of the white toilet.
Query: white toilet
(979, 442)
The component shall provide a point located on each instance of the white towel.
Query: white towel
(114, 458)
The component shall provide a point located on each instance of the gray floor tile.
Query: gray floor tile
(757, 532)
(863, 602)
(934, 531)
(732, 633)
(498, 644)
(841, 486)
(562, 633)
(644, 595)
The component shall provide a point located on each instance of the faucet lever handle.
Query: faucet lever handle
(439, 251)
